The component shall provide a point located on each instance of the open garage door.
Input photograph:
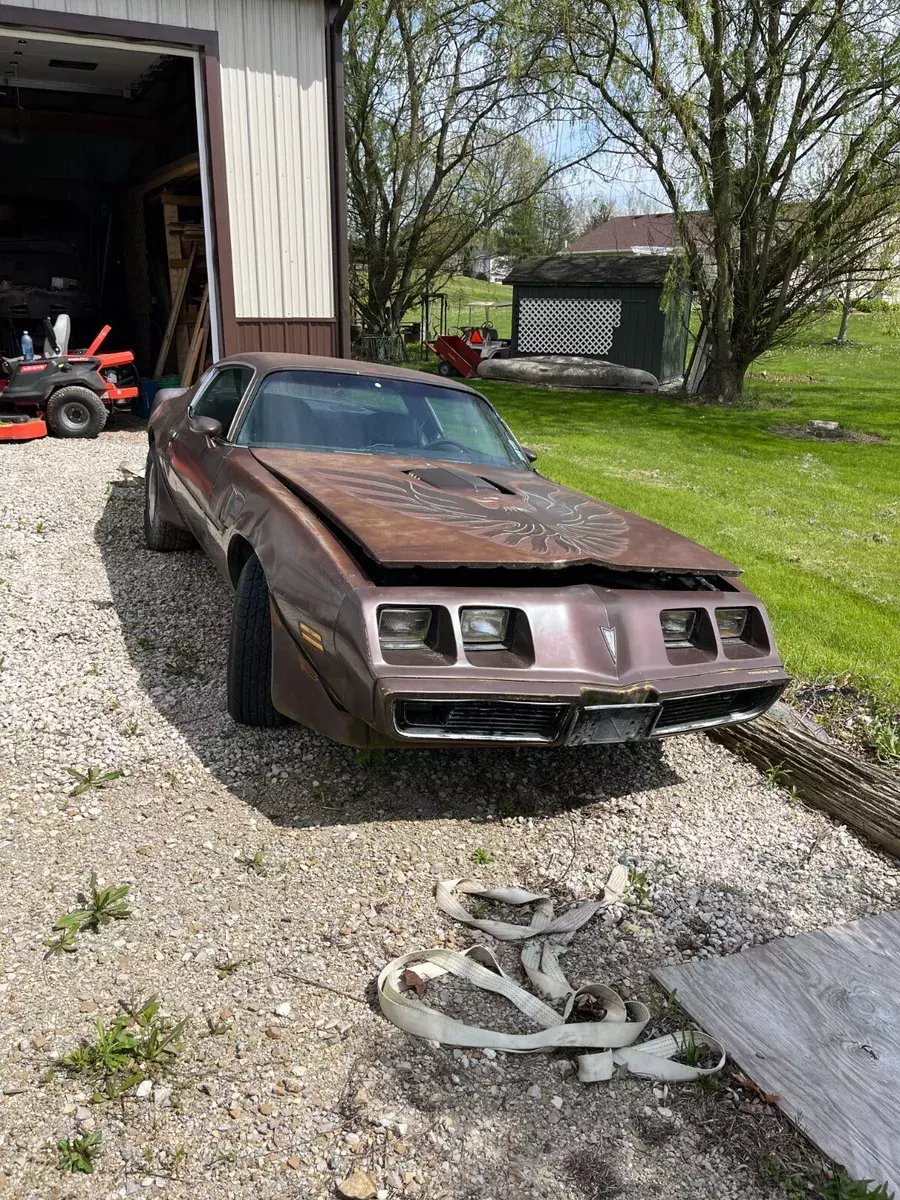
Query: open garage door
(105, 212)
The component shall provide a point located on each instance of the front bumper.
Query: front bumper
(565, 721)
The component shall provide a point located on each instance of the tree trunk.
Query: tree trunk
(724, 381)
(846, 304)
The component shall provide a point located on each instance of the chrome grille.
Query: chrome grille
(714, 708)
(496, 720)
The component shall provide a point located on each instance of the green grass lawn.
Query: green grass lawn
(816, 526)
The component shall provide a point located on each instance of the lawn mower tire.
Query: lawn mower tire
(75, 412)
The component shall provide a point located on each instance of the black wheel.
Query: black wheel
(444, 368)
(75, 412)
(159, 534)
(250, 651)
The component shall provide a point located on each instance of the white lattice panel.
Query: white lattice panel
(567, 326)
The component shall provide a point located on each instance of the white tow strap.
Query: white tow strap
(610, 1038)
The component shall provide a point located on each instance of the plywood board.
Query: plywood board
(816, 1019)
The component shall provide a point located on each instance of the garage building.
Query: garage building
(173, 168)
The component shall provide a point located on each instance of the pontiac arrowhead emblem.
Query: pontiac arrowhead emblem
(609, 636)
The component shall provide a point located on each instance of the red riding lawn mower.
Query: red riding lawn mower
(70, 395)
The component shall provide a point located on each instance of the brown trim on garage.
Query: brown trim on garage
(134, 31)
(286, 335)
(336, 13)
(215, 136)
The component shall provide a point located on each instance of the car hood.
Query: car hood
(411, 512)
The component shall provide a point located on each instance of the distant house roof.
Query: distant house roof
(645, 233)
(590, 268)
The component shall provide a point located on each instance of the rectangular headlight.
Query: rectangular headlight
(484, 626)
(403, 628)
(732, 622)
(678, 625)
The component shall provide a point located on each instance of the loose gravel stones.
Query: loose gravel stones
(273, 874)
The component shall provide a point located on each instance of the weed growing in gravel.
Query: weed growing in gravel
(229, 967)
(217, 1026)
(371, 756)
(40, 527)
(77, 1154)
(185, 660)
(800, 1186)
(93, 777)
(481, 857)
(136, 1045)
(638, 892)
(666, 1013)
(145, 643)
(93, 669)
(131, 729)
(842, 1187)
(706, 1084)
(775, 774)
(257, 863)
(101, 906)
(508, 807)
(65, 942)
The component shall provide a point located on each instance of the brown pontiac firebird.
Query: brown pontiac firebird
(404, 577)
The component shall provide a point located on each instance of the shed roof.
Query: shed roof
(592, 268)
(622, 233)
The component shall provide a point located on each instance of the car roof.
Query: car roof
(264, 363)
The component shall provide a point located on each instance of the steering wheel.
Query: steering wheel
(443, 441)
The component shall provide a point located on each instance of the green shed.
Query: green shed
(601, 306)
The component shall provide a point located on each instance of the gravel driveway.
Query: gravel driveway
(112, 658)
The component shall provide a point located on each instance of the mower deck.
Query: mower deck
(21, 428)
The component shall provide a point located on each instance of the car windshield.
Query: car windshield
(366, 414)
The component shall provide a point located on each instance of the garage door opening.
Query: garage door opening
(104, 213)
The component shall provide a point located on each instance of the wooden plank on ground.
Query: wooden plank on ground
(865, 795)
(815, 1019)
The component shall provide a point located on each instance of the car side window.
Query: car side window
(221, 397)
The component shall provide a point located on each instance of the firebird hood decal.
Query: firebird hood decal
(523, 520)
(551, 525)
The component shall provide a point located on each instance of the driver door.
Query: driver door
(195, 457)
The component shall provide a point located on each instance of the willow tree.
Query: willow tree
(449, 129)
(772, 128)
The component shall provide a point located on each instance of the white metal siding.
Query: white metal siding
(272, 58)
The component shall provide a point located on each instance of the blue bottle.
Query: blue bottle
(27, 346)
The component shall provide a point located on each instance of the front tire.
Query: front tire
(250, 651)
(75, 412)
(159, 534)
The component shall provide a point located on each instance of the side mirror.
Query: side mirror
(530, 454)
(208, 426)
